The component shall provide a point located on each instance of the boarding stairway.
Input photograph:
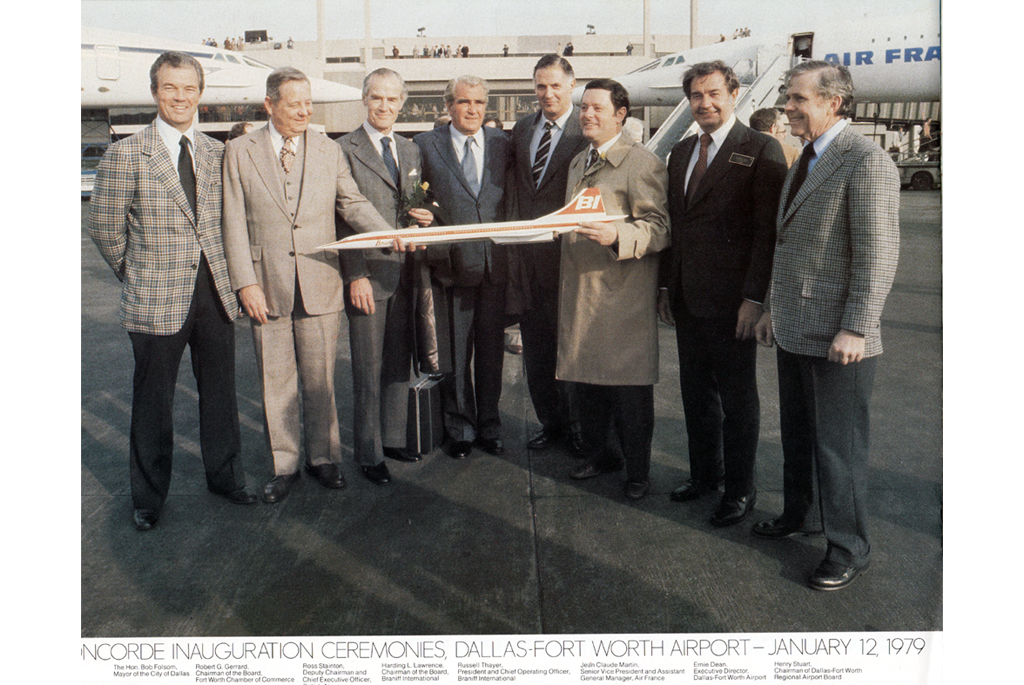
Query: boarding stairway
(760, 80)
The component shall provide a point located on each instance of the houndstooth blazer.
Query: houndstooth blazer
(143, 225)
(837, 248)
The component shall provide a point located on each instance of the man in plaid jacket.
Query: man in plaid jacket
(835, 259)
(155, 216)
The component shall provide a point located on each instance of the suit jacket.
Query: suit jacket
(837, 248)
(267, 247)
(144, 227)
(382, 267)
(526, 200)
(466, 264)
(723, 239)
(607, 328)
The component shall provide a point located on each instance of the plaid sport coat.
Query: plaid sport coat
(836, 249)
(143, 225)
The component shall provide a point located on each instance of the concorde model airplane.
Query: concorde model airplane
(587, 205)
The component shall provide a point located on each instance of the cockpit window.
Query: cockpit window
(233, 59)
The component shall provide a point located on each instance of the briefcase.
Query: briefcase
(426, 422)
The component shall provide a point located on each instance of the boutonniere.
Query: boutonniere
(414, 200)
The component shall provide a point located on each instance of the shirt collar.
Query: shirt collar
(560, 121)
(828, 136)
(172, 136)
(376, 135)
(459, 138)
(276, 139)
(603, 150)
(719, 136)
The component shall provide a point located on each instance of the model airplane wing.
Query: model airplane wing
(585, 206)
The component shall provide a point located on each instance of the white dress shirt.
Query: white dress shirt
(556, 134)
(717, 139)
(823, 140)
(172, 139)
(375, 138)
(459, 143)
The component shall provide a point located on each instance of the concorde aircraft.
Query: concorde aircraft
(115, 72)
(587, 205)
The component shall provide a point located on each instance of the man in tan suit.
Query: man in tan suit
(607, 327)
(282, 185)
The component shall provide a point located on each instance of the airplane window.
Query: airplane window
(218, 56)
(233, 59)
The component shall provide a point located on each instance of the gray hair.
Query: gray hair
(833, 80)
(470, 81)
(175, 60)
(384, 72)
(280, 76)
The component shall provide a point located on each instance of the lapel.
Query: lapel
(489, 158)
(165, 170)
(565, 149)
(523, 152)
(365, 152)
(738, 136)
(824, 168)
(205, 171)
(408, 167)
(445, 148)
(261, 152)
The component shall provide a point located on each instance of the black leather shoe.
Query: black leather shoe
(732, 510)
(590, 469)
(460, 449)
(328, 475)
(401, 454)
(692, 490)
(378, 475)
(239, 496)
(279, 487)
(777, 529)
(491, 446)
(144, 519)
(831, 575)
(544, 439)
(636, 489)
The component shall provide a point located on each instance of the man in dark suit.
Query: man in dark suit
(724, 191)
(379, 284)
(155, 216)
(542, 146)
(835, 259)
(464, 163)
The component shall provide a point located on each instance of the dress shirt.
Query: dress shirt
(556, 134)
(459, 143)
(277, 140)
(604, 148)
(823, 140)
(172, 139)
(375, 138)
(717, 138)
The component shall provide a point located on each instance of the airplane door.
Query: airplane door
(108, 62)
(802, 45)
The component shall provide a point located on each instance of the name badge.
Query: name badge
(742, 160)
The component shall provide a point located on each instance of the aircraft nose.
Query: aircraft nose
(577, 95)
(329, 91)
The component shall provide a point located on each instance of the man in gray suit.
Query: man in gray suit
(282, 185)
(379, 284)
(542, 146)
(835, 259)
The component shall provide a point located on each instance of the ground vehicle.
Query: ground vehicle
(920, 172)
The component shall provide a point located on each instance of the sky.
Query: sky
(194, 20)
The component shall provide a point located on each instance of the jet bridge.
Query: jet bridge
(760, 81)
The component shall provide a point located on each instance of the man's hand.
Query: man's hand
(847, 347)
(763, 330)
(254, 302)
(423, 217)
(603, 233)
(665, 308)
(399, 245)
(360, 292)
(746, 320)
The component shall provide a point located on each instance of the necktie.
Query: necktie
(469, 167)
(700, 167)
(389, 160)
(801, 172)
(594, 157)
(288, 154)
(186, 174)
(542, 152)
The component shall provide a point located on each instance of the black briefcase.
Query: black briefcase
(426, 422)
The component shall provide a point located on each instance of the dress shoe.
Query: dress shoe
(831, 575)
(279, 486)
(378, 475)
(544, 439)
(732, 510)
(590, 469)
(460, 449)
(239, 496)
(777, 529)
(144, 519)
(692, 490)
(401, 454)
(636, 489)
(328, 475)
(490, 445)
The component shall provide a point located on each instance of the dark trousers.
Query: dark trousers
(718, 379)
(476, 348)
(631, 409)
(823, 411)
(553, 400)
(211, 340)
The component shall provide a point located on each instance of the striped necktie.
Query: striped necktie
(542, 153)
